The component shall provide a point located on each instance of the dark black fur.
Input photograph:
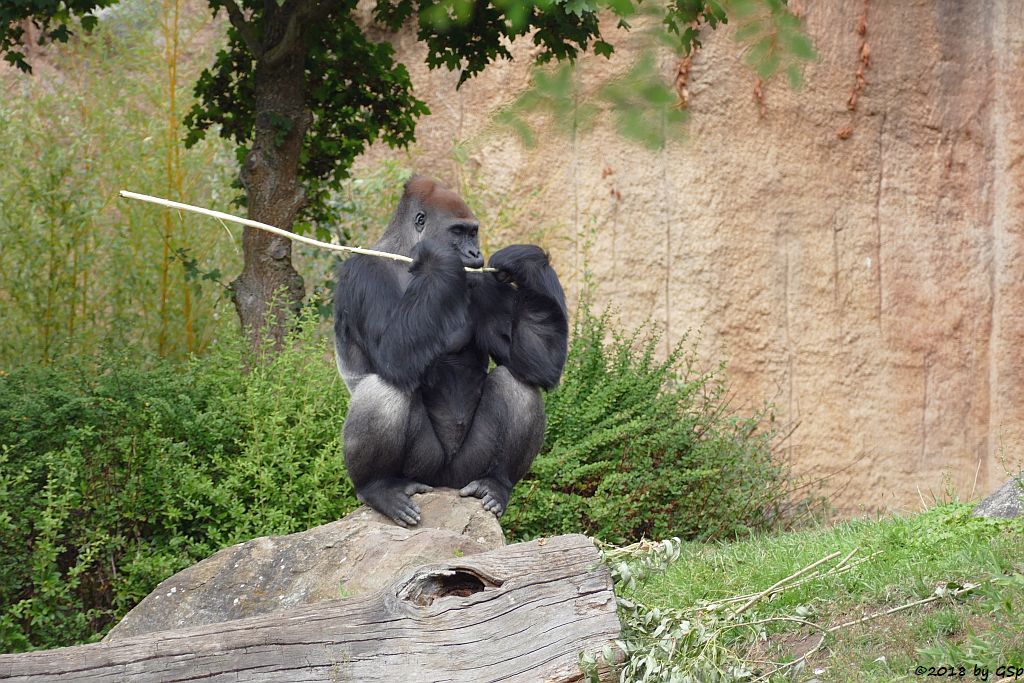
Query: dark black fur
(413, 345)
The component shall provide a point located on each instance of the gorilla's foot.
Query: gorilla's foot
(493, 494)
(390, 497)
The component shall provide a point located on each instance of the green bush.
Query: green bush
(638, 446)
(113, 477)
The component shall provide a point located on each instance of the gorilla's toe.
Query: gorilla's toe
(391, 498)
(493, 494)
(470, 489)
(417, 487)
(492, 504)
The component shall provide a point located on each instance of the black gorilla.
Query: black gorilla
(413, 345)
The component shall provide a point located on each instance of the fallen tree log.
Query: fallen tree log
(524, 612)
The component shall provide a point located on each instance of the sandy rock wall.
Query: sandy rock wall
(863, 269)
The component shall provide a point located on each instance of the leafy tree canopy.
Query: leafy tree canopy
(357, 93)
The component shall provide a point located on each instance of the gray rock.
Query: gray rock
(358, 554)
(1007, 501)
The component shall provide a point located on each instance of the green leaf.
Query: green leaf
(748, 31)
(580, 7)
(800, 45)
(795, 76)
(519, 126)
(517, 14)
(767, 68)
(622, 8)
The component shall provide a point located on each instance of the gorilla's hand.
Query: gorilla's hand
(517, 262)
(431, 256)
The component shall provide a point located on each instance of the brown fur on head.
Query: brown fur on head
(429, 210)
(431, 192)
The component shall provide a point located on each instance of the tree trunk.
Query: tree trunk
(524, 612)
(269, 291)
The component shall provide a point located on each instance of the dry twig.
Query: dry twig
(220, 215)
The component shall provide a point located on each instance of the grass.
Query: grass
(683, 620)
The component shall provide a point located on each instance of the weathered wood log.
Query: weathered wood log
(524, 612)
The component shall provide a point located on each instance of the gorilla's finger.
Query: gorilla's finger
(470, 489)
(416, 487)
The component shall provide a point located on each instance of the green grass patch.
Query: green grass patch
(683, 604)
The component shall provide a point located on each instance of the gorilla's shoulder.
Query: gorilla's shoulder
(366, 270)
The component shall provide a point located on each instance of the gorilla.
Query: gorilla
(414, 344)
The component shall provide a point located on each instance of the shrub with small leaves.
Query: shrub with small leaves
(114, 476)
(638, 446)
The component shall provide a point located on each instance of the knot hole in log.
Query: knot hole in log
(424, 589)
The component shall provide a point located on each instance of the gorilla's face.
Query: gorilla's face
(439, 214)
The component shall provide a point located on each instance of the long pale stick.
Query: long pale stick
(277, 231)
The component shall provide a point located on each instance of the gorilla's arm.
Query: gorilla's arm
(527, 330)
(402, 332)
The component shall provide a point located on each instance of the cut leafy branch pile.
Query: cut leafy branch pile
(724, 638)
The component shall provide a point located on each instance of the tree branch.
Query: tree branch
(243, 27)
(305, 12)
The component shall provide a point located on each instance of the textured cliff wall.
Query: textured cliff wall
(862, 268)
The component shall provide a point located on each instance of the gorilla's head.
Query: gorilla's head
(428, 210)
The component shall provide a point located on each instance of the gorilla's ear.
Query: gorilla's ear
(418, 191)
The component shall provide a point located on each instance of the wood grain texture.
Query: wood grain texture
(521, 613)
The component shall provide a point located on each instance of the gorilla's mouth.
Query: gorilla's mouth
(473, 262)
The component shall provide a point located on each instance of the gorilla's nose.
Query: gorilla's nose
(473, 259)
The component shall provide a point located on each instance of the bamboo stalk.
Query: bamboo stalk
(277, 231)
(169, 26)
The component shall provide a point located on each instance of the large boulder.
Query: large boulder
(1007, 501)
(358, 554)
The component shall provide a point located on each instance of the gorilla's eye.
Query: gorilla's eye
(421, 219)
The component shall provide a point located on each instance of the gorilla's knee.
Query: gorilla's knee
(377, 401)
(507, 433)
(376, 419)
(520, 409)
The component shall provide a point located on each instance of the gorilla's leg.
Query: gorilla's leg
(507, 433)
(391, 451)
